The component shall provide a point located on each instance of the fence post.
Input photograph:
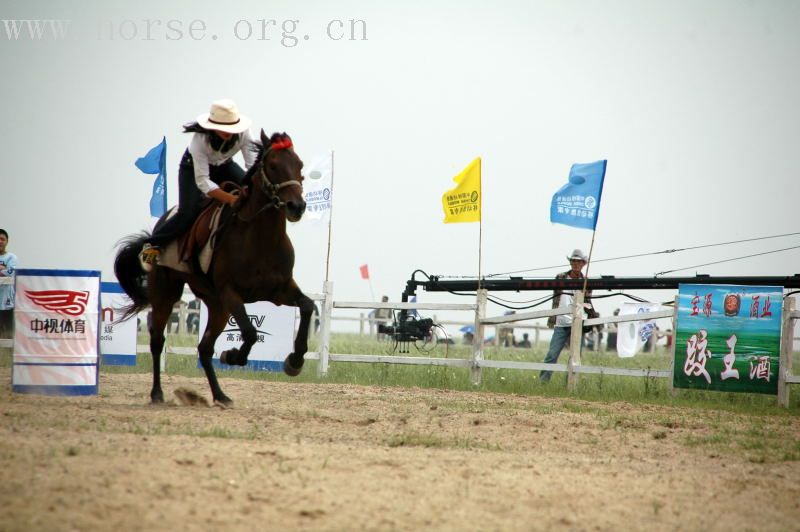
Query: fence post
(477, 340)
(535, 336)
(325, 328)
(576, 335)
(183, 313)
(787, 345)
(361, 325)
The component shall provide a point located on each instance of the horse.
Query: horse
(253, 261)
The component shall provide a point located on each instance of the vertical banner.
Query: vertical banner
(728, 338)
(56, 342)
(117, 340)
(274, 327)
(317, 189)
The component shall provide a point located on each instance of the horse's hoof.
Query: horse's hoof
(223, 402)
(231, 357)
(291, 370)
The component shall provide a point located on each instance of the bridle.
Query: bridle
(271, 188)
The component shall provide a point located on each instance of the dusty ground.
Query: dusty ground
(337, 457)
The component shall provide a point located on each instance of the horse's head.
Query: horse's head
(280, 176)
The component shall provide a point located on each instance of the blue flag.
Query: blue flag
(155, 162)
(578, 202)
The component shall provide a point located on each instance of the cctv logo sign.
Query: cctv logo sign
(274, 326)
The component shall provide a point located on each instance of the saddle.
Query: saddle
(202, 229)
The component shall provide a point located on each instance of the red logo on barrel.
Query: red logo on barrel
(67, 302)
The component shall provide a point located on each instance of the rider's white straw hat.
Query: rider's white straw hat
(224, 116)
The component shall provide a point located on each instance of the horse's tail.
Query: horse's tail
(130, 274)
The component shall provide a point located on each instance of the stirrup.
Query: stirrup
(148, 257)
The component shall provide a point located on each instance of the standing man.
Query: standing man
(562, 325)
(8, 264)
(382, 317)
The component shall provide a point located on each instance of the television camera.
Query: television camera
(407, 329)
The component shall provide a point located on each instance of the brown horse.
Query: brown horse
(253, 261)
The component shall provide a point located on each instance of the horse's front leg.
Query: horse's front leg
(293, 364)
(238, 355)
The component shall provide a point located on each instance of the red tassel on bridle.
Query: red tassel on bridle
(282, 144)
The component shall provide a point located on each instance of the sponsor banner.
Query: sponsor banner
(728, 338)
(57, 320)
(274, 327)
(117, 340)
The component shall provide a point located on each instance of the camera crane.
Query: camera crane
(407, 329)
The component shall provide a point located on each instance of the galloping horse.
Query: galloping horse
(253, 261)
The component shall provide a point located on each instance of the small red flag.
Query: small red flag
(364, 271)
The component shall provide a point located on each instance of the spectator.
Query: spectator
(525, 342)
(505, 332)
(611, 343)
(650, 343)
(382, 316)
(8, 265)
(562, 325)
(193, 317)
(669, 336)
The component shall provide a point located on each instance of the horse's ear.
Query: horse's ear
(264, 139)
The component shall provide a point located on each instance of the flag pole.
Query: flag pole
(480, 220)
(330, 220)
(588, 263)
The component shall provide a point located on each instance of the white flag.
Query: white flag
(633, 335)
(317, 187)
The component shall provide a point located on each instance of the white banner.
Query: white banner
(117, 340)
(633, 335)
(318, 189)
(56, 332)
(274, 327)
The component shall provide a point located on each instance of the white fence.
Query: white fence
(573, 367)
(476, 363)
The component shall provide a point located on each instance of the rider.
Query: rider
(208, 161)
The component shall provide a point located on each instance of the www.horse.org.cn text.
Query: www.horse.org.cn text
(284, 32)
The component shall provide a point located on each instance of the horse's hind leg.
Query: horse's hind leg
(293, 364)
(217, 318)
(163, 294)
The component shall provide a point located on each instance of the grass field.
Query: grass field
(590, 387)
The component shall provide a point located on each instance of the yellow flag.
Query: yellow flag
(463, 203)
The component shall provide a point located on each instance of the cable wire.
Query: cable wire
(726, 260)
(653, 253)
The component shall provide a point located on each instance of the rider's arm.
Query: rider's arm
(248, 149)
(198, 147)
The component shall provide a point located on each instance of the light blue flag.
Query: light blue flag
(578, 202)
(155, 162)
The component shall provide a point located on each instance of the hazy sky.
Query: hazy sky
(694, 104)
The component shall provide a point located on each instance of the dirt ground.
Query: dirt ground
(340, 457)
